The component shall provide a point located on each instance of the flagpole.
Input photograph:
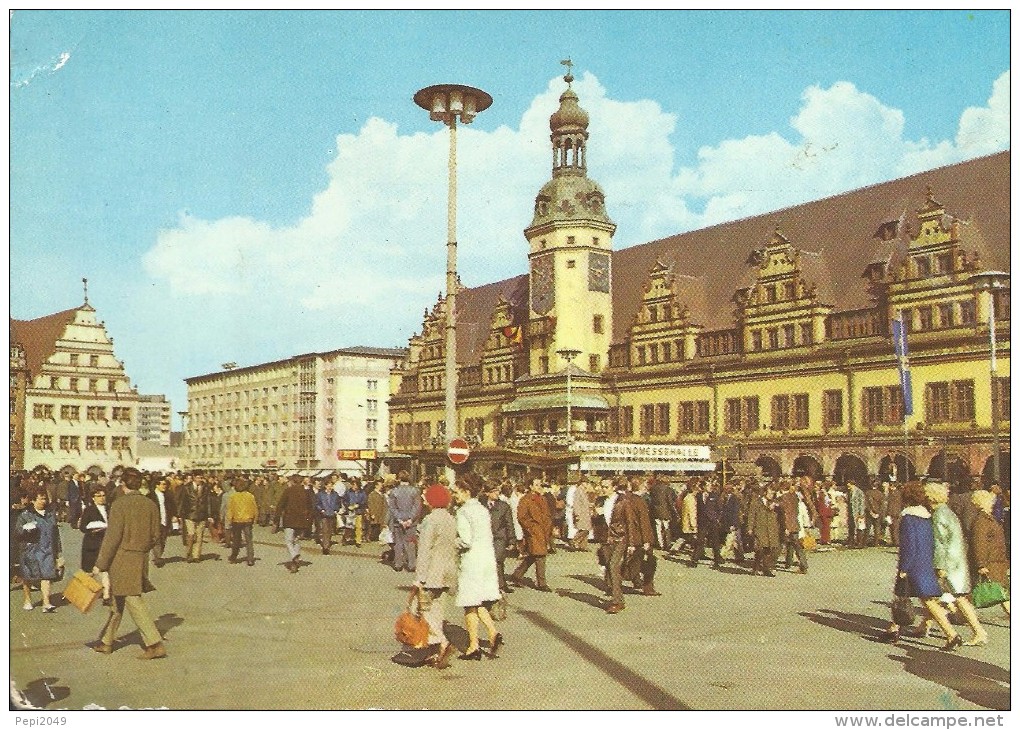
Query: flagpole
(903, 364)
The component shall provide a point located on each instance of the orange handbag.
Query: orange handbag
(411, 629)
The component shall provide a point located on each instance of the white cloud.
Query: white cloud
(370, 253)
(50, 68)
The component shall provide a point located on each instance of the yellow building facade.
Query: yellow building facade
(768, 338)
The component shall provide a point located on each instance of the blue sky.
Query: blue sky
(247, 186)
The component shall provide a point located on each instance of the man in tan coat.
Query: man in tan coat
(132, 531)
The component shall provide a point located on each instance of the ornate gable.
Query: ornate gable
(780, 309)
(778, 278)
(662, 331)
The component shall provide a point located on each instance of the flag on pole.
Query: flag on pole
(899, 335)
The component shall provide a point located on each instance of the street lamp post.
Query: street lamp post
(447, 103)
(569, 356)
(989, 281)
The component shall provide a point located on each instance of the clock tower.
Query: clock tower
(570, 252)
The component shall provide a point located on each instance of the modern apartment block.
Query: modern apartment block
(154, 416)
(312, 411)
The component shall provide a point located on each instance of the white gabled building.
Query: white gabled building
(79, 407)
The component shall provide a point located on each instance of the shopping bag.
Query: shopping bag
(988, 593)
(411, 629)
(82, 591)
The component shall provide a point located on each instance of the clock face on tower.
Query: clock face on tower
(598, 272)
(543, 293)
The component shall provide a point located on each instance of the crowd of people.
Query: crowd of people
(456, 538)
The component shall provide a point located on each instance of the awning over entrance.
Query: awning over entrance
(554, 401)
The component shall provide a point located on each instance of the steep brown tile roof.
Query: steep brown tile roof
(839, 233)
(39, 336)
(838, 237)
(475, 307)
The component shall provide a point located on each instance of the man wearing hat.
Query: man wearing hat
(131, 533)
(436, 571)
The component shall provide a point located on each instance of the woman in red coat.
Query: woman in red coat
(536, 522)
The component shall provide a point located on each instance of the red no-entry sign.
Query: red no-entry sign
(458, 451)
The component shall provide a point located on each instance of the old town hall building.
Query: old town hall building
(767, 339)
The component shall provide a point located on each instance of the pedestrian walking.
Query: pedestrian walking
(477, 581)
(796, 520)
(856, 521)
(196, 514)
(242, 511)
(327, 505)
(762, 527)
(40, 555)
(916, 564)
(355, 506)
(535, 520)
(989, 558)
(502, 522)
(164, 500)
(132, 532)
(950, 557)
(294, 515)
(436, 570)
(94, 521)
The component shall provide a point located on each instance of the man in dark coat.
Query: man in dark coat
(163, 498)
(625, 535)
(195, 513)
(873, 517)
(893, 508)
(709, 526)
(762, 529)
(663, 508)
(75, 498)
(643, 566)
(94, 521)
(133, 530)
(294, 514)
(502, 530)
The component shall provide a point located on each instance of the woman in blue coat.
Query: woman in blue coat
(917, 563)
(36, 531)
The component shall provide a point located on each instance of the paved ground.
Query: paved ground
(259, 638)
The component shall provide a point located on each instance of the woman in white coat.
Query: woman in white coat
(477, 580)
(951, 564)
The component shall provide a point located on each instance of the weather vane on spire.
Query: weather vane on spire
(570, 70)
(85, 284)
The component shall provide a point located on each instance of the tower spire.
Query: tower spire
(85, 285)
(569, 78)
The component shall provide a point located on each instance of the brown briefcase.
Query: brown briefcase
(82, 591)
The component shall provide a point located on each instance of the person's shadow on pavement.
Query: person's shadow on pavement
(973, 680)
